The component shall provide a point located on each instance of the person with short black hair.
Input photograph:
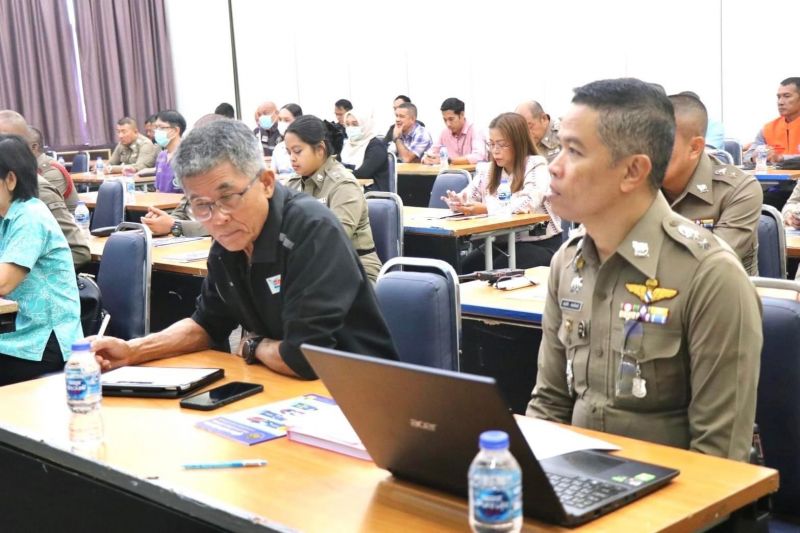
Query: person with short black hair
(134, 149)
(341, 107)
(651, 328)
(313, 146)
(226, 110)
(409, 138)
(52, 170)
(36, 271)
(464, 143)
(149, 129)
(169, 128)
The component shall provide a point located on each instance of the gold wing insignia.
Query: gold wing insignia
(650, 292)
(637, 290)
(663, 294)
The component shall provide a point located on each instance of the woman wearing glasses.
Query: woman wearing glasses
(513, 158)
(312, 146)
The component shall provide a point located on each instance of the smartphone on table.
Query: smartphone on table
(222, 395)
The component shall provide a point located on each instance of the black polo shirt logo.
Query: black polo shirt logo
(274, 284)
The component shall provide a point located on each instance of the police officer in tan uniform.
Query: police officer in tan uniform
(312, 149)
(651, 327)
(134, 149)
(541, 129)
(717, 196)
(52, 171)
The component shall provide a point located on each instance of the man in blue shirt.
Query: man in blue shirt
(410, 139)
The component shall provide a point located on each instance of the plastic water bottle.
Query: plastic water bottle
(100, 168)
(61, 161)
(82, 218)
(495, 486)
(84, 398)
(504, 193)
(443, 160)
(761, 157)
(128, 174)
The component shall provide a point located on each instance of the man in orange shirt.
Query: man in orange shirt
(782, 135)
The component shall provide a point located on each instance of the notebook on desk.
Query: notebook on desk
(157, 382)
(422, 424)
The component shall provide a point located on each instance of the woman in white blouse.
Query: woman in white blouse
(515, 161)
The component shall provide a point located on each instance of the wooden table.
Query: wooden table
(774, 175)
(140, 482)
(439, 238)
(415, 182)
(792, 245)
(161, 255)
(90, 178)
(142, 201)
(8, 315)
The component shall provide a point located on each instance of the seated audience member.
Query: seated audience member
(267, 127)
(651, 328)
(13, 123)
(281, 163)
(364, 152)
(280, 266)
(409, 138)
(541, 129)
(149, 128)
(313, 148)
(36, 271)
(226, 110)
(513, 158)
(717, 196)
(170, 126)
(52, 170)
(341, 107)
(397, 102)
(134, 149)
(464, 143)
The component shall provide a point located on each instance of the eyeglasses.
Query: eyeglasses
(491, 146)
(203, 208)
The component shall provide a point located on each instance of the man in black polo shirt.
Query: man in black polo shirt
(281, 266)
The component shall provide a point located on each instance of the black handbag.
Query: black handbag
(92, 312)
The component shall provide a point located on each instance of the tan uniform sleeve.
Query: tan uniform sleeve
(738, 223)
(116, 157)
(189, 226)
(724, 336)
(347, 203)
(147, 156)
(550, 398)
(77, 242)
(792, 203)
(55, 177)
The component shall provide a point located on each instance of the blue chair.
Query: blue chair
(771, 244)
(124, 280)
(80, 163)
(734, 147)
(392, 172)
(386, 220)
(722, 155)
(450, 179)
(109, 208)
(778, 404)
(422, 310)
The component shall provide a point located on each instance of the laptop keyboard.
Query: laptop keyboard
(582, 492)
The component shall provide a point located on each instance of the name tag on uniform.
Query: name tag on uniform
(274, 284)
(264, 138)
(573, 305)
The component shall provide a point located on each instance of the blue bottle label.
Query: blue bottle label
(494, 505)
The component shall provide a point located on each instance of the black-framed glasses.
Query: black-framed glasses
(203, 208)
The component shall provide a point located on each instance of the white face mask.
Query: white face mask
(282, 127)
(354, 133)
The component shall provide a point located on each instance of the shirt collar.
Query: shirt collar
(700, 184)
(550, 140)
(464, 131)
(265, 247)
(410, 134)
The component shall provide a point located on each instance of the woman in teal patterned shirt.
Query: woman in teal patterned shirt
(36, 271)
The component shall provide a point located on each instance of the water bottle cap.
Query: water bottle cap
(81, 346)
(493, 440)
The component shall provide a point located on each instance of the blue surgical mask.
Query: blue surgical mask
(160, 136)
(354, 133)
(265, 122)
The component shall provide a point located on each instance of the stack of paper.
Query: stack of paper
(329, 429)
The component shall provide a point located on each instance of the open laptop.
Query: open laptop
(157, 381)
(422, 424)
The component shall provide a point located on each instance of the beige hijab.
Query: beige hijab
(353, 151)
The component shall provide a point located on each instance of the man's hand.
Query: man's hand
(159, 222)
(397, 132)
(111, 352)
(774, 157)
(792, 218)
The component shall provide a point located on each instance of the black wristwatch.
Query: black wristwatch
(249, 350)
(176, 229)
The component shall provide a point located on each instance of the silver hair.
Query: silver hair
(222, 141)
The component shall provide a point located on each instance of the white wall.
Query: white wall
(491, 55)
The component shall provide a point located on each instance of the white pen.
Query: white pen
(103, 326)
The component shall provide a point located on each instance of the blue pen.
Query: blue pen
(244, 463)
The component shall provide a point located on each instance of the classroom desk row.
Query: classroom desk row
(139, 480)
(142, 201)
(91, 179)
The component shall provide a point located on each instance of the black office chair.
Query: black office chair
(109, 209)
(771, 244)
(80, 163)
(124, 280)
(386, 220)
(451, 179)
(422, 310)
(734, 147)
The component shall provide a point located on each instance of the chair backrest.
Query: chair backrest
(771, 244)
(109, 208)
(734, 147)
(124, 280)
(722, 155)
(80, 163)
(386, 220)
(392, 172)
(422, 310)
(778, 403)
(450, 179)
